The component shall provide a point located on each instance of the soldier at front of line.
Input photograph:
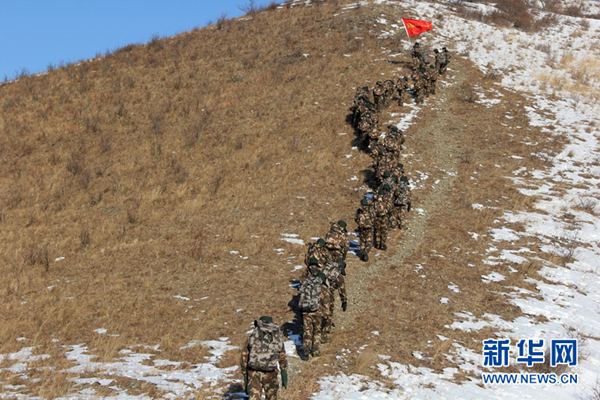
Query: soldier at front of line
(365, 219)
(263, 350)
(337, 240)
(338, 285)
(416, 56)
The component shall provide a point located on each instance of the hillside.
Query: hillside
(152, 202)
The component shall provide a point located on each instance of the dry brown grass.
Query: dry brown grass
(145, 175)
(146, 167)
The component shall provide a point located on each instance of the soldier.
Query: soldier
(390, 89)
(381, 216)
(397, 169)
(420, 88)
(263, 349)
(403, 202)
(446, 60)
(372, 135)
(438, 59)
(402, 87)
(337, 241)
(365, 217)
(433, 75)
(379, 95)
(339, 284)
(367, 121)
(313, 291)
(321, 255)
(416, 56)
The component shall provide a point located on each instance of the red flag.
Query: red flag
(416, 26)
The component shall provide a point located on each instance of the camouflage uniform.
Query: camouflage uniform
(318, 251)
(416, 56)
(402, 202)
(337, 241)
(402, 87)
(432, 73)
(381, 220)
(390, 88)
(262, 381)
(312, 323)
(367, 121)
(445, 61)
(379, 95)
(338, 285)
(397, 169)
(420, 88)
(365, 217)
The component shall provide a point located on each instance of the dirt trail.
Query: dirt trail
(444, 148)
(401, 245)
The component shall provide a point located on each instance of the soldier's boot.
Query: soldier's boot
(305, 354)
(316, 353)
(365, 256)
(382, 246)
(325, 338)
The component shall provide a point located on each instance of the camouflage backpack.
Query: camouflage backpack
(332, 271)
(264, 344)
(310, 293)
(364, 219)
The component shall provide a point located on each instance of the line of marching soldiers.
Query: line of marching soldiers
(325, 259)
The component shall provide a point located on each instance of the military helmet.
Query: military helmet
(321, 241)
(400, 165)
(386, 174)
(395, 178)
(382, 192)
(322, 276)
(436, 51)
(417, 44)
(406, 78)
(364, 202)
(313, 261)
(404, 179)
(445, 49)
(431, 66)
(424, 76)
(342, 223)
(266, 319)
(386, 187)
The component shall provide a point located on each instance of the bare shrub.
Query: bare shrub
(466, 93)
(84, 237)
(493, 75)
(36, 255)
(131, 215)
(221, 21)
(155, 42)
(574, 10)
(586, 204)
(75, 163)
(250, 8)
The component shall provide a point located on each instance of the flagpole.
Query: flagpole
(406, 29)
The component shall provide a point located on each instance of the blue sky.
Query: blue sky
(35, 33)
